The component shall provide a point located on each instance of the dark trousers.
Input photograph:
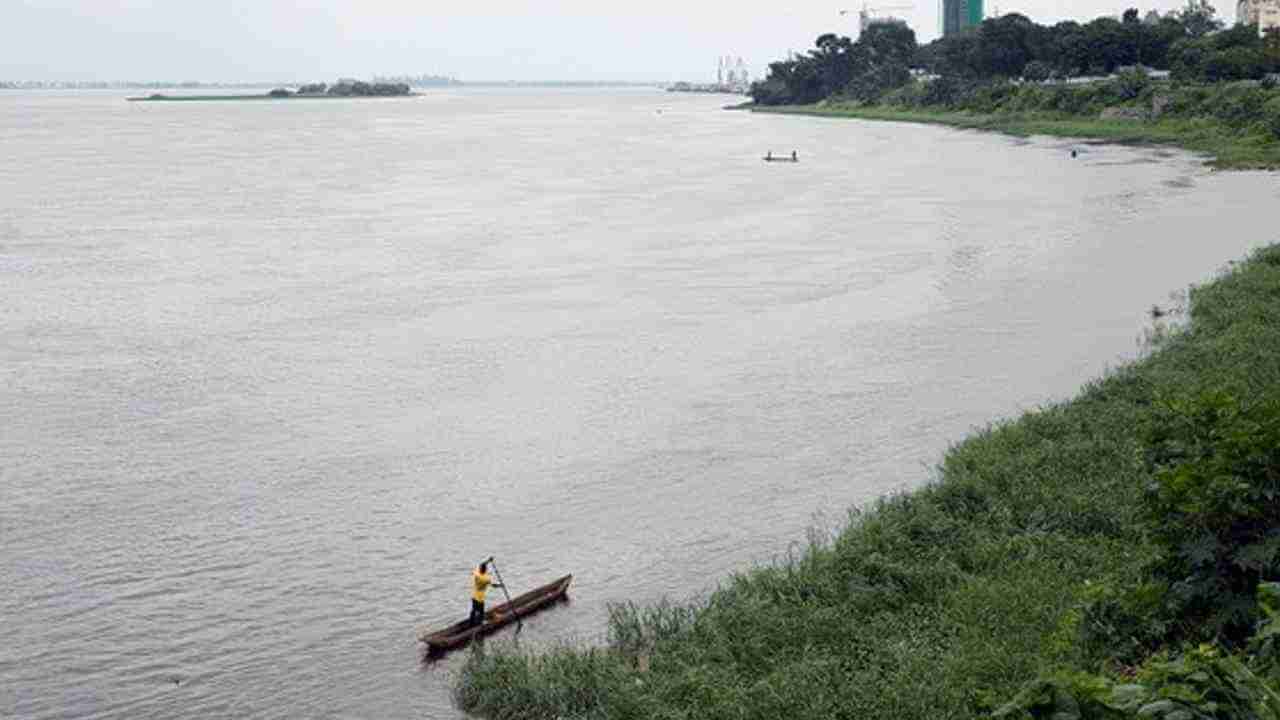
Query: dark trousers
(477, 612)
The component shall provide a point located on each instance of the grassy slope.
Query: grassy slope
(1230, 149)
(935, 604)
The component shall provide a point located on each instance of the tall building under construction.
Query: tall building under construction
(957, 15)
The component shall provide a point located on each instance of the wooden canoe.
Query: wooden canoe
(460, 633)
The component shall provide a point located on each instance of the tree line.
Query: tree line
(1191, 43)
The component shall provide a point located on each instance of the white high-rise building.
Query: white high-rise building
(1263, 13)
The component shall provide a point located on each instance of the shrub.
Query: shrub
(1239, 103)
(1071, 100)
(1264, 648)
(1131, 83)
(990, 97)
(946, 91)
(1237, 63)
(1189, 101)
(1214, 507)
(1201, 684)
(1123, 624)
(1271, 116)
(771, 92)
(910, 95)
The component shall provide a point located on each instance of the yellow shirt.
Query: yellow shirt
(481, 582)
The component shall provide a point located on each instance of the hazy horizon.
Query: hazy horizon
(568, 41)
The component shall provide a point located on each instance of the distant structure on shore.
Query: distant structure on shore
(1263, 13)
(732, 77)
(959, 15)
(419, 81)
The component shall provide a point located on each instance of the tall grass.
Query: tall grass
(939, 603)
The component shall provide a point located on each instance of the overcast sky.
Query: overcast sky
(300, 40)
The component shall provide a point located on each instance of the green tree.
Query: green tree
(1070, 49)
(1005, 46)
(835, 61)
(1199, 18)
(889, 42)
(1109, 45)
(1157, 38)
(1271, 48)
(1037, 71)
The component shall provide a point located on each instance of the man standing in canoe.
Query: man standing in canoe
(480, 581)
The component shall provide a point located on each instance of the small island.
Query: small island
(341, 89)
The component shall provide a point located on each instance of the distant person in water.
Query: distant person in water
(481, 582)
(794, 157)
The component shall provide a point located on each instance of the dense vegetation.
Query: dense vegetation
(1191, 44)
(1108, 557)
(1220, 95)
(1237, 123)
(348, 88)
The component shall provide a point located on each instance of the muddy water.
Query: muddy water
(274, 376)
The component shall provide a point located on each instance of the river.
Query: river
(275, 376)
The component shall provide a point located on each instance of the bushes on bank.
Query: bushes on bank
(1245, 106)
(1198, 682)
(1201, 683)
(1271, 115)
(1214, 509)
(1195, 633)
(1054, 544)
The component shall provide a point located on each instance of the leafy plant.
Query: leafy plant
(1202, 683)
(1264, 647)
(1271, 115)
(1213, 507)
(1123, 624)
(1131, 83)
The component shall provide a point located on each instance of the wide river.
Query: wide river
(275, 376)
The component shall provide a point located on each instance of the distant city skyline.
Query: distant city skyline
(571, 40)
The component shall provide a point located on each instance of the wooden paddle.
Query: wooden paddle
(519, 622)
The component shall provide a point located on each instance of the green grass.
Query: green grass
(939, 603)
(1229, 148)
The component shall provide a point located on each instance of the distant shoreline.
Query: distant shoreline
(341, 89)
(243, 98)
(1227, 148)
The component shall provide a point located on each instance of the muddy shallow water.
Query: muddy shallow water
(275, 375)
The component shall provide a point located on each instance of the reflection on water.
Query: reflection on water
(277, 376)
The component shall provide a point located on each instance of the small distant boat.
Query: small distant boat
(461, 633)
(793, 157)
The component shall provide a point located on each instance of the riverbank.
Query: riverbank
(1020, 561)
(1228, 149)
(1236, 124)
